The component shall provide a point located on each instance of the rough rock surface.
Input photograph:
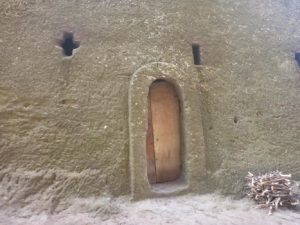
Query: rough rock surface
(64, 123)
(191, 209)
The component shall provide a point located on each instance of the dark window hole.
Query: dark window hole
(297, 58)
(235, 119)
(68, 44)
(196, 54)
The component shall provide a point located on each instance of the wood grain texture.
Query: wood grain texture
(165, 118)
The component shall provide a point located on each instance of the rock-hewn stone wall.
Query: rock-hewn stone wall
(70, 117)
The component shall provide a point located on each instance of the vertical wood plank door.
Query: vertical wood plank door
(163, 135)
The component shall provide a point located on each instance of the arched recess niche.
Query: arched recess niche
(193, 171)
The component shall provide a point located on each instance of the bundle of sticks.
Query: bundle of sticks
(271, 190)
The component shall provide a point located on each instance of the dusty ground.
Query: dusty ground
(190, 209)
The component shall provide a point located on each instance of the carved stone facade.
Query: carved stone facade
(76, 127)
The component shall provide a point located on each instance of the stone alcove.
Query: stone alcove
(192, 173)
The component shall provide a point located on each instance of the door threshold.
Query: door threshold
(169, 187)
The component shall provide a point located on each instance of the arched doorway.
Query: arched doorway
(192, 169)
(163, 149)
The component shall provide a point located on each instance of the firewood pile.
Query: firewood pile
(272, 190)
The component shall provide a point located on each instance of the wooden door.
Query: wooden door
(163, 135)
